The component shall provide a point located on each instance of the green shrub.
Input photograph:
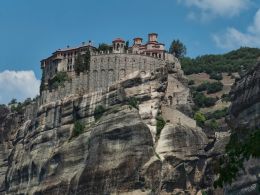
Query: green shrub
(202, 87)
(82, 62)
(133, 103)
(191, 82)
(18, 108)
(216, 76)
(58, 80)
(200, 118)
(78, 128)
(243, 145)
(98, 112)
(201, 101)
(104, 47)
(214, 87)
(213, 124)
(218, 114)
(225, 98)
(210, 87)
(160, 123)
(204, 193)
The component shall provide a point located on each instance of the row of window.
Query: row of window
(116, 59)
(69, 54)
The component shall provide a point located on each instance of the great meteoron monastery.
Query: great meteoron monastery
(108, 67)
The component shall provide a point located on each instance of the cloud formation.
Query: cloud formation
(233, 38)
(213, 8)
(18, 84)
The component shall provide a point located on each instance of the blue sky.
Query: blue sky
(31, 30)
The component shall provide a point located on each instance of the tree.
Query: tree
(86, 60)
(82, 62)
(202, 101)
(126, 45)
(104, 47)
(243, 145)
(178, 49)
(13, 101)
(78, 67)
(235, 61)
(200, 118)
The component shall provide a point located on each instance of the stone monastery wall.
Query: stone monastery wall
(105, 70)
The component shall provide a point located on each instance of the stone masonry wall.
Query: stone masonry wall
(105, 70)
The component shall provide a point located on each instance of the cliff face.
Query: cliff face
(121, 152)
(244, 118)
(245, 109)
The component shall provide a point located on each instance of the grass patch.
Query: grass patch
(133, 103)
(160, 123)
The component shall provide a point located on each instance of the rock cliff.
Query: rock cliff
(244, 118)
(122, 151)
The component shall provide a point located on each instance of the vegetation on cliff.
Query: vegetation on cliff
(18, 107)
(98, 112)
(82, 62)
(234, 61)
(241, 147)
(160, 123)
(202, 101)
(58, 80)
(133, 103)
(200, 118)
(78, 128)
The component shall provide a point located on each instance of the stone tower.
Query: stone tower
(118, 46)
(138, 41)
(152, 37)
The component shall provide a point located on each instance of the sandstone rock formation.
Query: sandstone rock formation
(120, 153)
(245, 116)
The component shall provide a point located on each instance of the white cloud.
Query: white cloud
(233, 38)
(18, 84)
(212, 8)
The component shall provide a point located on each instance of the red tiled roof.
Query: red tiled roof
(153, 34)
(119, 40)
